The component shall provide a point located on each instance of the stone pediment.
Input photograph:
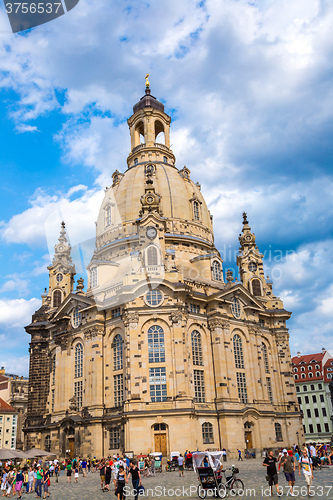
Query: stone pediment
(73, 300)
(239, 291)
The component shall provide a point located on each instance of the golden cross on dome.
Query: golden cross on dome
(147, 82)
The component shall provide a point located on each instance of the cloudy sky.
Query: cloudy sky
(250, 91)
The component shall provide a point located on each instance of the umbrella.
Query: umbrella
(35, 452)
(6, 454)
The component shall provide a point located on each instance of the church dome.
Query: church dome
(180, 198)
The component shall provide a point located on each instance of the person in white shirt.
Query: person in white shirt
(305, 463)
(180, 461)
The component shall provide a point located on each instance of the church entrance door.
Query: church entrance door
(248, 439)
(161, 444)
(71, 447)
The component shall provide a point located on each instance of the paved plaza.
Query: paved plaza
(168, 485)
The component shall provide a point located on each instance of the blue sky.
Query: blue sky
(249, 88)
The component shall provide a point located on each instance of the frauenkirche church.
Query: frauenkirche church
(160, 353)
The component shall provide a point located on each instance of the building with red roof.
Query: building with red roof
(8, 425)
(312, 375)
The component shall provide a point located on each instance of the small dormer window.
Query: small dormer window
(216, 271)
(76, 317)
(108, 216)
(196, 210)
(136, 161)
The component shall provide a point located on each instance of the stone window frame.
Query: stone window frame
(199, 385)
(93, 277)
(78, 360)
(157, 384)
(265, 357)
(118, 389)
(278, 432)
(216, 270)
(236, 308)
(207, 433)
(269, 389)
(118, 352)
(114, 438)
(56, 293)
(156, 344)
(252, 282)
(238, 351)
(152, 296)
(196, 343)
(76, 317)
(242, 387)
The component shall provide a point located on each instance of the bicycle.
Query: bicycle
(232, 483)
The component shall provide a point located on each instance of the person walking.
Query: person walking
(288, 464)
(39, 480)
(240, 455)
(108, 473)
(180, 461)
(56, 472)
(102, 471)
(270, 463)
(84, 467)
(69, 472)
(136, 478)
(31, 478)
(120, 483)
(305, 463)
(46, 482)
(18, 482)
(76, 474)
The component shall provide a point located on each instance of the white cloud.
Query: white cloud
(15, 283)
(15, 365)
(17, 312)
(41, 222)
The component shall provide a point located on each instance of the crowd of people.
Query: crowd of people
(304, 459)
(33, 478)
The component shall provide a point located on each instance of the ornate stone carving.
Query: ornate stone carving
(93, 332)
(73, 403)
(176, 317)
(214, 323)
(130, 319)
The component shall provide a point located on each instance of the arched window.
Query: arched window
(256, 287)
(57, 298)
(207, 433)
(136, 161)
(76, 317)
(264, 354)
(310, 375)
(238, 351)
(310, 367)
(156, 347)
(152, 256)
(78, 360)
(165, 159)
(117, 347)
(93, 277)
(196, 212)
(303, 375)
(196, 348)
(302, 369)
(159, 132)
(318, 374)
(236, 308)
(295, 370)
(217, 273)
(295, 377)
(278, 432)
(108, 216)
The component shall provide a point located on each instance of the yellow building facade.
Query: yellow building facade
(160, 353)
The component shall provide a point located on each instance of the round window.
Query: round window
(236, 308)
(59, 277)
(154, 298)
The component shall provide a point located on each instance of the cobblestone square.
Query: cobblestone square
(168, 485)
